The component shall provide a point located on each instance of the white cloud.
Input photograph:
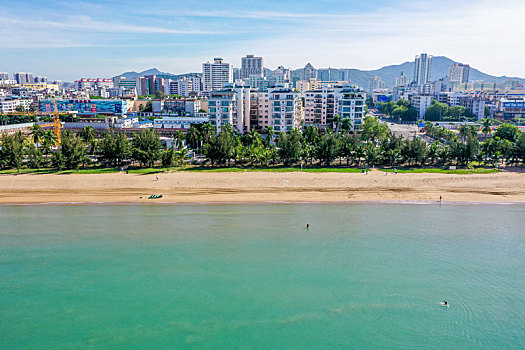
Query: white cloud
(85, 23)
(487, 35)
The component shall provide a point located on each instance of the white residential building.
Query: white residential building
(216, 74)
(459, 73)
(322, 105)
(402, 80)
(308, 72)
(178, 122)
(286, 110)
(421, 103)
(9, 105)
(280, 76)
(230, 106)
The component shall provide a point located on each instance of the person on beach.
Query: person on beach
(395, 171)
(440, 198)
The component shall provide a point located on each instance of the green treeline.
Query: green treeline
(373, 145)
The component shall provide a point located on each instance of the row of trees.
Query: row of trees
(436, 112)
(38, 150)
(373, 145)
(400, 109)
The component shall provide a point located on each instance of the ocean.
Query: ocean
(364, 276)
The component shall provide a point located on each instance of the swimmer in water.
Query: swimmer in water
(307, 226)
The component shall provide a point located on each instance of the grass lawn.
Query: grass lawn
(277, 169)
(444, 171)
(273, 169)
(88, 170)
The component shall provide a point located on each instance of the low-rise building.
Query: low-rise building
(178, 122)
(421, 103)
(13, 105)
(511, 108)
(88, 107)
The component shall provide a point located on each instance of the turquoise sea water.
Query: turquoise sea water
(365, 276)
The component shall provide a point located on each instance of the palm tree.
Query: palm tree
(486, 124)
(270, 134)
(181, 156)
(193, 136)
(336, 122)
(311, 134)
(37, 133)
(254, 136)
(50, 140)
(464, 131)
(178, 137)
(88, 136)
(207, 131)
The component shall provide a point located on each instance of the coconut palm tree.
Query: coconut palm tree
(88, 136)
(336, 122)
(207, 131)
(37, 134)
(49, 140)
(270, 135)
(486, 126)
(179, 137)
(193, 136)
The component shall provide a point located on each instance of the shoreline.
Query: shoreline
(116, 203)
(183, 188)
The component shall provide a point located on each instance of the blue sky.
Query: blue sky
(102, 38)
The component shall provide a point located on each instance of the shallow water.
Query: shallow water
(364, 276)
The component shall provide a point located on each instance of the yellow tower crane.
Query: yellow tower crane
(57, 125)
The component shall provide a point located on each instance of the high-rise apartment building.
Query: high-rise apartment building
(402, 80)
(244, 108)
(251, 66)
(230, 106)
(458, 72)
(422, 69)
(23, 78)
(285, 109)
(4, 76)
(323, 104)
(216, 74)
(125, 84)
(375, 83)
(185, 86)
(308, 72)
(280, 76)
(38, 79)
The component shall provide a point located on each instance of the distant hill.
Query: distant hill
(440, 67)
(154, 71)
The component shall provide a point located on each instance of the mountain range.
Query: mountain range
(388, 74)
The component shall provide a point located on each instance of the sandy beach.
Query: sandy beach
(196, 187)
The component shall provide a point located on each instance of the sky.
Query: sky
(68, 40)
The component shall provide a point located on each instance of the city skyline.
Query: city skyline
(60, 39)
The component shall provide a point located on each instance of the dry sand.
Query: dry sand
(194, 187)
